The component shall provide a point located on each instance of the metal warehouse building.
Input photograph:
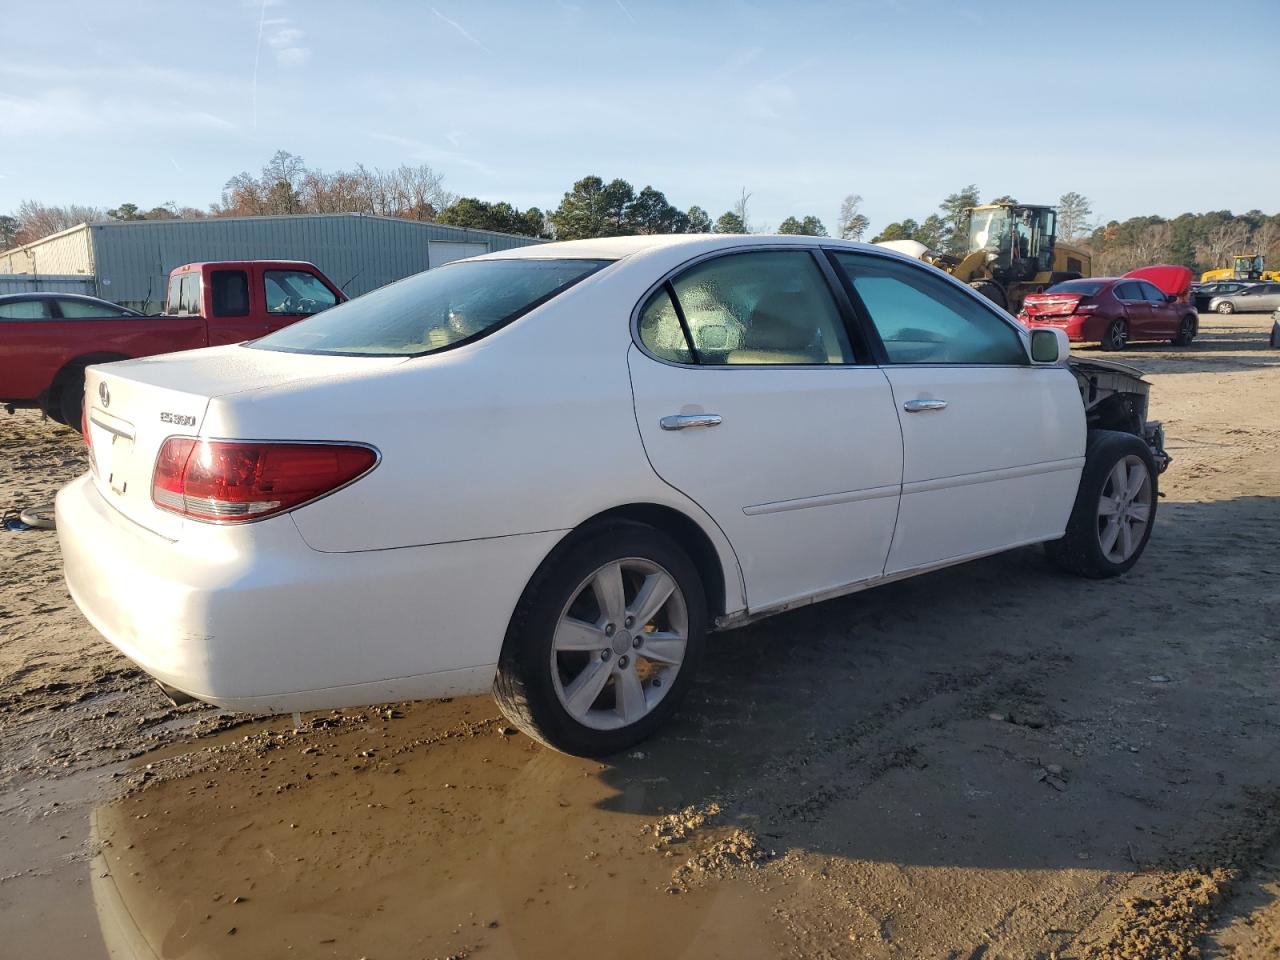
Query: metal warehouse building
(128, 262)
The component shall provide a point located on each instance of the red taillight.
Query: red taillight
(227, 481)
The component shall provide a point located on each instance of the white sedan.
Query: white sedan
(551, 471)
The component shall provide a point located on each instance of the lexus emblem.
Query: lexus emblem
(104, 394)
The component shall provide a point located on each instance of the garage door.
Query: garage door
(440, 252)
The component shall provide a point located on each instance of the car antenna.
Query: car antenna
(343, 288)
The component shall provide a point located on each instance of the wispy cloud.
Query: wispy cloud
(462, 32)
(623, 8)
(430, 153)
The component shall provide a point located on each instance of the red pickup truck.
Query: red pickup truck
(47, 339)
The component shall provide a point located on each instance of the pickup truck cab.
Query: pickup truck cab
(44, 350)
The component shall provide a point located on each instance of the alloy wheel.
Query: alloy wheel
(1124, 509)
(619, 643)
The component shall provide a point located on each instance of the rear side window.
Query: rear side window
(81, 310)
(296, 292)
(25, 310)
(230, 293)
(433, 311)
(764, 307)
(922, 318)
(1128, 291)
(661, 330)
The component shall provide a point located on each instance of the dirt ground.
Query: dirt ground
(990, 761)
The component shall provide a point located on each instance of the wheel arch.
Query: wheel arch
(79, 363)
(717, 581)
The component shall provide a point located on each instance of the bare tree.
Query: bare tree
(740, 211)
(36, 220)
(1223, 242)
(853, 224)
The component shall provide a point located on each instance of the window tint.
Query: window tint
(25, 310)
(80, 309)
(1128, 291)
(433, 310)
(660, 329)
(766, 307)
(230, 293)
(921, 318)
(296, 292)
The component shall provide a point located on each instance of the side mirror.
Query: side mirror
(1170, 297)
(1049, 345)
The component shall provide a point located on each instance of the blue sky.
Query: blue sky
(1133, 104)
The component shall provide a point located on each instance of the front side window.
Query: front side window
(230, 293)
(763, 307)
(434, 310)
(1152, 293)
(296, 292)
(922, 318)
(25, 310)
(82, 310)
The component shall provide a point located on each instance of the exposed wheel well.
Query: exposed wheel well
(71, 367)
(680, 528)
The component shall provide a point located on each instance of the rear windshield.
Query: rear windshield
(432, 311)
(1086, 288)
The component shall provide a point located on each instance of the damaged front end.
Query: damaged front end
(1115, 398)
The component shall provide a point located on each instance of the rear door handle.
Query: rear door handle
(684, 421)
(923, 406)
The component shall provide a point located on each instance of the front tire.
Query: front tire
(604, 642)
(1226, 307)
(1116, 336)
(992, 291)
(1114, 510)
(1186, 332)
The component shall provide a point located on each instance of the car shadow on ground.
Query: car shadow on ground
(995, 716)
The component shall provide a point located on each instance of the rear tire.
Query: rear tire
(71, 398)
(1186, 331)
(1116, 336)
(1114, 510)
(579, 671)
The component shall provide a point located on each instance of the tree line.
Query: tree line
(594, 207)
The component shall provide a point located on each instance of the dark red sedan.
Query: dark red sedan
(1112, 311)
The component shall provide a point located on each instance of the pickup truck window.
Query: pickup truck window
(25, 310)
(296, 292)
(230, 293)
(184, 296)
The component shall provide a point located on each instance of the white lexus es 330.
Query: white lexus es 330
(551, 471)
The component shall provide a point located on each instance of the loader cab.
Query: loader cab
(1248, 266)
(1018, 238)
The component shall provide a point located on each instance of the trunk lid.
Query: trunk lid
(133, 406)
(1048, 306)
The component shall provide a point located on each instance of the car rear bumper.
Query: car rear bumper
(1074, 327)
(251, 618)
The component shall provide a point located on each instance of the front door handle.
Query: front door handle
(923, 406)
(684, 421)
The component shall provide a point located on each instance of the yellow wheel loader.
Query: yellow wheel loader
(1246, 266)
(1013, 250)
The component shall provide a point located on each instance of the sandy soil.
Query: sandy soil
(990, 761)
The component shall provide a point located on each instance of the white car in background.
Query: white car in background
(551, 471)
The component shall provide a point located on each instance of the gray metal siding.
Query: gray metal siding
(44, 283)
(363, 252)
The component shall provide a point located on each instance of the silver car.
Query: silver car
(1258, 298)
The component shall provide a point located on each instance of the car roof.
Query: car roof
(619, 248)
(54, 295)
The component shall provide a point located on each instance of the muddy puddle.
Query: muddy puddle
(427, 831)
